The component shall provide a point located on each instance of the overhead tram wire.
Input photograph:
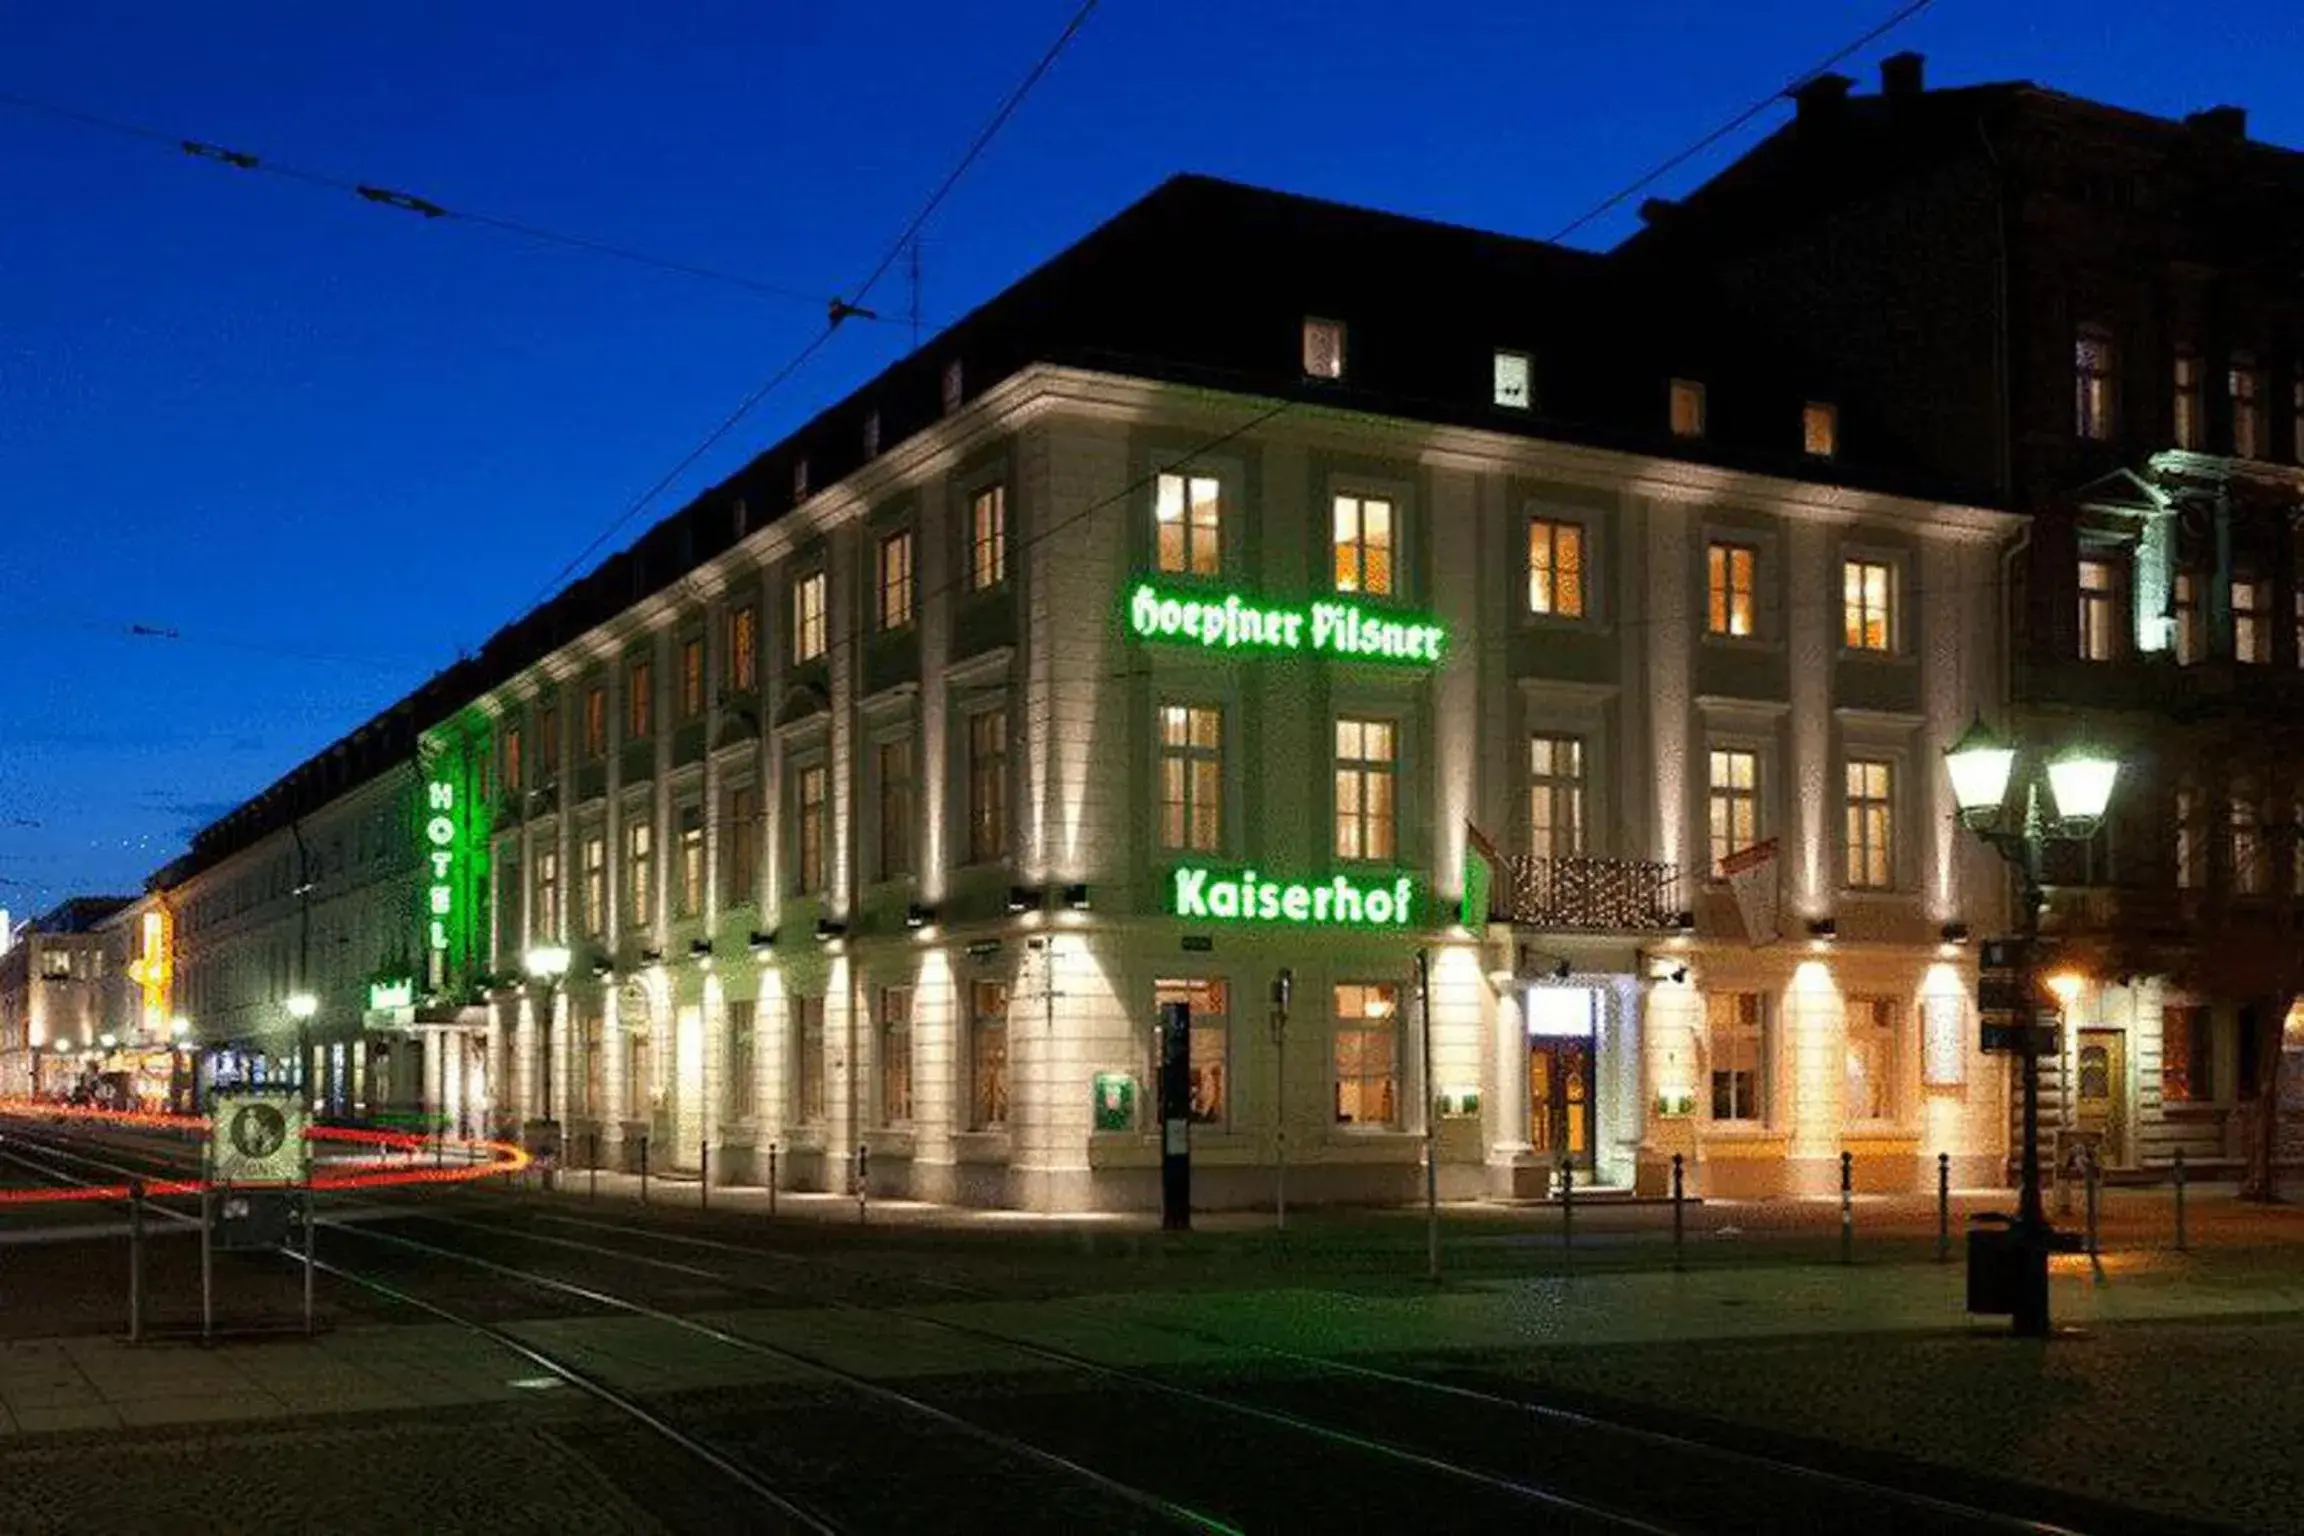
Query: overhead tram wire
(840, 309)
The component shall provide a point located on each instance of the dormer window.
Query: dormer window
(1687, 408)
(872, 435)
(1323, 349)
(1512, 388)
(800, 479)
(952, 382)
(1819, 429)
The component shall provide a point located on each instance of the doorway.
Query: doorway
(1560, 1099)
(2099, 1097)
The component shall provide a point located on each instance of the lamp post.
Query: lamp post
(546, 964)
(1980, 765)
(301, 1007)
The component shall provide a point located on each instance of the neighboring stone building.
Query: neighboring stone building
(52, 988)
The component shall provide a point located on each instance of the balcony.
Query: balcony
(1587, 895)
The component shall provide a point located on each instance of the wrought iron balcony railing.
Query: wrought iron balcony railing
(1587, 894)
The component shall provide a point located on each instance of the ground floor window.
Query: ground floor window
(1871, 1056)
(1366, 1061)
(743, 1053)
(808, 1060)
(895, 1056)
(2186, 1057)
(1738, 1056)
(988, 1055)
(591, 1066)
(639, 1074)
(1210, 1079)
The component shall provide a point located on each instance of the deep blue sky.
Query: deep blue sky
(328, 444)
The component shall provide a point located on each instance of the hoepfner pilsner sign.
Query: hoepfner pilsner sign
(1230, 622)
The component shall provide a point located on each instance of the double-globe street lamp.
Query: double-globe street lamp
(546, 964)
(2080, 782)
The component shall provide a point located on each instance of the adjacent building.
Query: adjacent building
(53, 977)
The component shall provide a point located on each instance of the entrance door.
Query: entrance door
(1560, 1099)
(2099, 1098)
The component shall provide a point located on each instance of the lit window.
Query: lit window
(2092, 385)
(689, 891)
(1191, 777)
(894, 1055)
(589, 1082)
(545, 920)
(743, 648)
(547, 765)
(808, 617)
(808, 1060)
(1687, 408)
(896, 580)
(740, 830)
(987, 1055)
(1728, 570)
(512, 778)
(892, 775)
(2099, 610)
(1819, 429)
(639, 874)
(1512, 380)
(2251, 863)
(1324, 349)
(987, 785)
(2191, 849)
(2246, 385)
(595, 721)
(1363, 542)
(643, 1084)
(1367, 1054)
(808, 800)
(987, 538)
(1868, 596)
(1366, 759)
(1207, 1081)
(2187, 1056)
(799, 479)
(1188, 524)
(1871, 824)
(691, 678)
(1555, 796)
(1873, 1024)
(639, 700)
(1737, 1051)
(2190, 422)
(595, 876)
(1555, 568)
(1733, 802)
(743, 1058)
(2252, 621)
(2184, 617)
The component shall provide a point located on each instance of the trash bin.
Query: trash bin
(1995, 1266)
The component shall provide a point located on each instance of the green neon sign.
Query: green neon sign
(1232, 623)
(384, 996)
(443, 840)
(1243, 896)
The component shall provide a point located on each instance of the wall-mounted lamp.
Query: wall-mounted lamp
(918, 915)
(651, 957)
(1023, 898)
(1679, 975)
(1076, 897)
(1684, 920)
(700, 951)
(762, 943)
(1823, 927)
(602, 967)
(1561, 969)
(1954, 933)
(827, 930)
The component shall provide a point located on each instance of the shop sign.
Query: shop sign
(1231, 622)
(384, 996)
(442, 838)
(1243, 896)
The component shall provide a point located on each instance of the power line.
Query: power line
(408, 202)
(840, 309)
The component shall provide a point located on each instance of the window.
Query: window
(1512, 381)
(1364, 545)
(808, 797)
(743, 1076)
(1868, 598)
(1555, 796)
(1871, 1056)
(1188, 524)
(692, 677)
(640, 874)
(800, 480)
(595, 875)
(591, 1073)
(639, 700)
(740, 831)
(896, 580)
(595, 721)
(688, 894)
(640, 1089)
(1728, 572)
(2184, 617)
(2099, 610)
(954, 378)
(744, 648)
(871, 434)
(512, 780)
(1366, 759)
(2247, 388)
(1191, 777)
(2187, 1056)
(987, 1055)
(1367, 1054)
(808, 1060)
(1819, 429)
(892, 775)
(1871, 824)
(987, 785)
(1738, 1055)
(1687, 413)
(808, 617)
(545, 922)
(2251, 861)
(1556, 568)
(2190, 423)
(2191, 852)
(2251, 621)
(895, 1055)
(1209, 1081)
(1324, 349)
(2092, 385)
(988, 538)
(1734, 802)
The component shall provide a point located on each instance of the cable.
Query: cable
(408, 202)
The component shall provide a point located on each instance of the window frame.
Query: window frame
(639, 874)
(2095, 393)
(744, 647)
(894, 859)
(593, 873)
(1206, 1023)
(811, 837)
(2248, 406)
(1885, 1034)
(985, 799)
(1819, 430)
(1193, 762)
(1506, 359)
(1717, 795)
(2198, 1055)
(639, 698)
(2187, 411)
(741, 1078)
(1878, 870)
(1859, 608)
(689, 889)
(1550, 790)
(2100, 608)
(891, 1029)
(1553, 525)
(1360, 501)
(595, 721)
(985, 550)
(894, 604)
(988, 1111)
(692, 669)
(1341, 1023)
(1756, 1031)
(2252, 619)
(740, 843)
(1692, 425)
(1721, 557)
(1366, 771)
(1199, 547)
(811, 1077)
(811, 616)
(1317, 331)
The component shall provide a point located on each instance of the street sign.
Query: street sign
(2009, 1000)
(2009, 1038)
(257, 1138)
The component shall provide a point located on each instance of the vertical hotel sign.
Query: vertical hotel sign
(443, 851)
(452, 841)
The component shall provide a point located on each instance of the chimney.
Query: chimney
(1901, 75)
(1655, 210)
(2227, 123)
(1821, 97)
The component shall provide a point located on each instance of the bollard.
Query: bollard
(2088, 1172)
(704, 1175)
(1943, 1207)
(771, 1180)
(1567, 1208)
(136, 1261)
(1679, 1225)
(863, 1180)
(593, 1177)
(643, 1170)
(1847, 1208)
(2181, 1245)
(440, 1147)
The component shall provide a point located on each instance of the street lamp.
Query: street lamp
(1980, 765)
(547, 964)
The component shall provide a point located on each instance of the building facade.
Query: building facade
(53, 979)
